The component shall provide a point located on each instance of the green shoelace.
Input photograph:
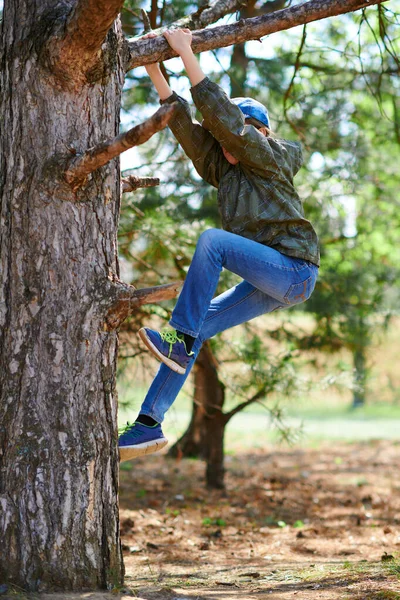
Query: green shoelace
(124, 428)
(171, 337)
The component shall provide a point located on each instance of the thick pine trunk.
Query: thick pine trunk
(59, 525)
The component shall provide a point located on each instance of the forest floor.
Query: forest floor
(318, 523)
(307, 524)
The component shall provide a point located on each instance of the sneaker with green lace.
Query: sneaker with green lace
(169, 347)
(137, 439)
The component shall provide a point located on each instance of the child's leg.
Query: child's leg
(285, 279)
(235, 306)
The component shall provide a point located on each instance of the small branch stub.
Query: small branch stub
(96, 157)
(146, 21)
(133, 183)
(126, 299)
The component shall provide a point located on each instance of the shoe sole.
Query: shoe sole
(154, 350)
(129, 452)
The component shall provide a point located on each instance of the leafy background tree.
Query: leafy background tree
(335, 86)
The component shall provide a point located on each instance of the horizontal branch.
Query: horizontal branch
(132, 183)
(126, 299)
(143, 52)
(99, 155)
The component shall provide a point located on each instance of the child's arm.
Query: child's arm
(198, 144)
(159, 81)
(222, 117)
(180, 40)
(156, 76)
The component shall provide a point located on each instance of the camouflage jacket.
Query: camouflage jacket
(256, 197)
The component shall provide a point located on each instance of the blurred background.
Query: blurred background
(330, 368)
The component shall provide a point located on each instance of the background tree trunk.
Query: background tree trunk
(204, 437)
(58, 405)
(360, 376)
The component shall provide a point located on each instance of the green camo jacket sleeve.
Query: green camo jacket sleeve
(198, 143)
(224, 119)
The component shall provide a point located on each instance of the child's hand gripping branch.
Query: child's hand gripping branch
(180, 40)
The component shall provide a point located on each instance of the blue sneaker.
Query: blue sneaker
(168, 347)
(138, 439)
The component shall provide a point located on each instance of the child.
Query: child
(266, 239)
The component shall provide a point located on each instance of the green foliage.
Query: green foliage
(340, 94)
(207, 521)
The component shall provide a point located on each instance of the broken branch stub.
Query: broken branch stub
(127, 299)
(133, 183)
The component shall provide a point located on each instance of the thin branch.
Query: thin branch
(269, 7)
(207, 14)
(263, 391)
(132, 12)
(132, 183)
(210, 13)
(143, 52)
(146, 21)
(99, 155)
(291, 84)
(123, 300)
(260, 394)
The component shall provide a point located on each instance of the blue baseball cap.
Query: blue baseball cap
(252, 109)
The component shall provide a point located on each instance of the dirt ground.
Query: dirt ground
(301, 524)
(318, 523)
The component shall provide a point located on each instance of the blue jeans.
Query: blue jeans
(271, 281)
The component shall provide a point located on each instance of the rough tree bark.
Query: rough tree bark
(60, 297)
(62, 67)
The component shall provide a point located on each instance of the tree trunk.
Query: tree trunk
(214, 443)
(238, 70)
(360, 376)
(204, 437)
(239, 60)
(59, 517)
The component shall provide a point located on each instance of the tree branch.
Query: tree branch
(75, 52)
(132, 183)
(210, 13)
(99, 155)
(203, 16)
(143, 52)
(146, 21)
(124, 300)
(264, 391)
